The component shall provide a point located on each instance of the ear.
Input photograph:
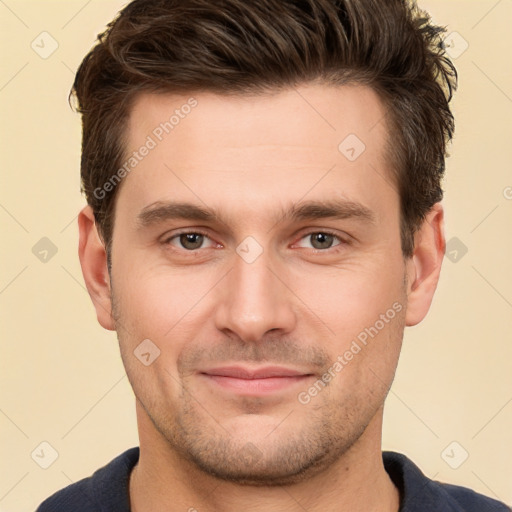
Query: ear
(424, 267)
(93, 259)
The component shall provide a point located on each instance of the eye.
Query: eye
(321, 240)
(189, 241)
(193, 240)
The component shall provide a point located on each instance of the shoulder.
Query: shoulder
(105, 490)
(471, 501)
(419, 493)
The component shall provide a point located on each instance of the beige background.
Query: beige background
(62, 380)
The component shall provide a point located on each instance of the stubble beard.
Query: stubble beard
(329, 428)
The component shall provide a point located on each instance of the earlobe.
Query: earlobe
(93, 259)
(424, 267)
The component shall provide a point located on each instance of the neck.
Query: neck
(357, 482)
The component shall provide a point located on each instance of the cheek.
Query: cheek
(367, 353)
(351, 298)
(363, 307)
(156, 301)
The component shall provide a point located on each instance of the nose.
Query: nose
(255, 300)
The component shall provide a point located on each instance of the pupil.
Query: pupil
(321, 240)
(191, 240)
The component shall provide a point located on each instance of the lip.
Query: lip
(246, 373)
(255, 381)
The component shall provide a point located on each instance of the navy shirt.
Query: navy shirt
(107, 490)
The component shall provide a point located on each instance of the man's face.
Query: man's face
(279, 324)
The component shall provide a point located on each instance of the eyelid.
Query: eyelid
(342, 240)
(166, 240)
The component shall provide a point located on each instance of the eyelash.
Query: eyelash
(334, 248)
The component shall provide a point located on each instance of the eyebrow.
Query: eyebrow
(161, 211)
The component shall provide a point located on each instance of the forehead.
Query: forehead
(243, 151)
(299, 116)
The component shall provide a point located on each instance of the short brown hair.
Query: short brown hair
(245, 46)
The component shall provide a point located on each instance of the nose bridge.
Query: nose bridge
(254, 300)
(253, 282)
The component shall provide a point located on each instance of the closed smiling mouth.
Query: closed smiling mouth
(255, 381)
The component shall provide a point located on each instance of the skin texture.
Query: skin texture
(299, 304)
